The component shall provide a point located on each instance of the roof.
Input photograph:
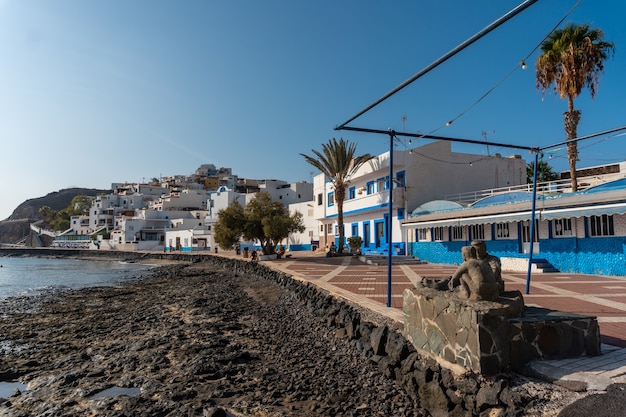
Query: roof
(609, 198)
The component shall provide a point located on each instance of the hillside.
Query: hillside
(16, 227)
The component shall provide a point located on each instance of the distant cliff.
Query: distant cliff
(16, 227)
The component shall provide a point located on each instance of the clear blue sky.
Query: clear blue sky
(95, 92)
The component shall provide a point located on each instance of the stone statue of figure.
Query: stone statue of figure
(493, 261)
(475, 278)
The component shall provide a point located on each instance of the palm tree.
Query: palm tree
(544, 172)
(572, 58)
(338, 163)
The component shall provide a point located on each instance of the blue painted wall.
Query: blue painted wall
(598, 255)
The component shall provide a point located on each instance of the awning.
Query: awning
(583, 211)
(467, 221)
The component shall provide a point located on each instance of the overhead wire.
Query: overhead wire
(523, 61)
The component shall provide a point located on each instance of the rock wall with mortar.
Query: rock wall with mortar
(491, 337)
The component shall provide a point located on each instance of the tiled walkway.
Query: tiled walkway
(600, 296)
(590, 295)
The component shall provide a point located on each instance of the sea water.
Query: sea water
(34, 276)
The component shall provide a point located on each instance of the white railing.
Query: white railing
(35, 228)
(550, 187)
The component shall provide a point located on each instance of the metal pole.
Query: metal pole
(392, 134)
(445, 57)
(532, 223)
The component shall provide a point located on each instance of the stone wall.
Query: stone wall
(492, 337)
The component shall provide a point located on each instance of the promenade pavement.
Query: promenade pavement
(590, 295)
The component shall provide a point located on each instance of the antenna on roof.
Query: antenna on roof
(485, 133)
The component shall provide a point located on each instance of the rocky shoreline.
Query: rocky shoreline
(198, 340)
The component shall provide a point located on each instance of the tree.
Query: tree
(572, 58)
(263, 219)
(338, 163)
(544, 172)
(80, 204)
(229, 226)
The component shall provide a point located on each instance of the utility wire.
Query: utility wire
(523, 62)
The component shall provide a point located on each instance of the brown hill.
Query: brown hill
(16, 227)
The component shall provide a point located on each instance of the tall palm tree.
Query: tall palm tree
(338, 163)
(572, 58)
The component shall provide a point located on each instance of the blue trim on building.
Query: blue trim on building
(360, 211)
(597, 255)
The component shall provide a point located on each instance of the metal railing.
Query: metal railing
(549, 187)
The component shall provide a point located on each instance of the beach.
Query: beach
(218, 337)
(193, 341)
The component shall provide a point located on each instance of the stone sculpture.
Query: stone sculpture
(493, 261)
(474, 278)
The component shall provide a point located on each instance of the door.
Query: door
(525, 233)
(379, 226)
(366, 234)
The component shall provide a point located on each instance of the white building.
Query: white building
(186, 199)
(287, 193)
(421, 174)
(192, 233)
(309, 239)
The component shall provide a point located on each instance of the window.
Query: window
(331, 199)
(401, 179)
(457, 232)
(562, 227)
(401, 214)
(351, 193)
(437, 233)
(380, 184)
(601, 225)
(319, 199)
(355, 229)
(370, 187)
(502, 231)
(478, 231)
(422, 234)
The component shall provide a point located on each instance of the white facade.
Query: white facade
(186, 199)
(422, 174)
(105, 208)
(287, 193)
(193, 233)
(222, 198)
(309, 239)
